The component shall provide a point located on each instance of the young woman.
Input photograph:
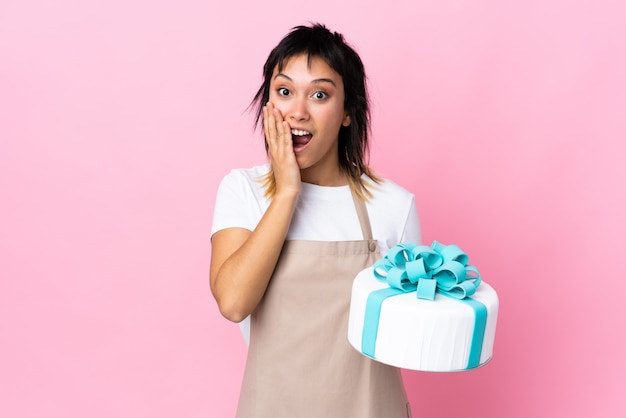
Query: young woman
(289, 237)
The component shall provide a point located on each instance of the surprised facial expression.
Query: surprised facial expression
(310, 96)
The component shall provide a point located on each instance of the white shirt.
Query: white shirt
(322, 213)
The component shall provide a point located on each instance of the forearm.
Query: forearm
(239, 281)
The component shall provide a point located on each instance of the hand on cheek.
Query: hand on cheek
(280, 149)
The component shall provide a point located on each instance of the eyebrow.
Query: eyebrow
(316, 81)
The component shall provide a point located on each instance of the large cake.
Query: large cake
(423, 308)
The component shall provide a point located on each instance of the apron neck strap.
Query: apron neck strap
(364, 219)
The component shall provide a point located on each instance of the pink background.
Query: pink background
(119, 118)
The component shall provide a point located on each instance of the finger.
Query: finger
(279, 131)
(287, 136)
(282, 127)
(269, 125)
(265, 121)
(284, 131)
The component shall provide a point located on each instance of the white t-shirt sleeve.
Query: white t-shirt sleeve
(412, 230)
(237, 204)
(394, 216)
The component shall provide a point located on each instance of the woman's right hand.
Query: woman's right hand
(242, 261)
(280, 150)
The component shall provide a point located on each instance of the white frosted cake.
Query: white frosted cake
(443, 334)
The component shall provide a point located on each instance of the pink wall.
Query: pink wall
(119, 118)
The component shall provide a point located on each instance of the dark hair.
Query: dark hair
(318, 41)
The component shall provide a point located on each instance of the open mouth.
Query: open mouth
(300, 138)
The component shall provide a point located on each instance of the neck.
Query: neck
(330, 178)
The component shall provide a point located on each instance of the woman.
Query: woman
(289, 237)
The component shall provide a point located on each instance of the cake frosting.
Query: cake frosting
(445, 323)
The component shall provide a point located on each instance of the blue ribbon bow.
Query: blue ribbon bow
(439, 268)
(443, 269)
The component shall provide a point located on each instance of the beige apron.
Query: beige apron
(300, 363)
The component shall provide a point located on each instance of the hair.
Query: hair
(317, 41)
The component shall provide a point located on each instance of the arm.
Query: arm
(242, 261)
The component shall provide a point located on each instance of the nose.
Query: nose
(299, 109)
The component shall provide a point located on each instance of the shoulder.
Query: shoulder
(246, 175)
(393, 214)
(240, 201)
(388, 190)
(244, 181)
(390, 202)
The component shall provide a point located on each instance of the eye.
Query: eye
(283, 91)
(320, 95)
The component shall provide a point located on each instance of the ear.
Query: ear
(346, 120)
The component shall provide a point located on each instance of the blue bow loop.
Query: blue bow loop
(432, 258)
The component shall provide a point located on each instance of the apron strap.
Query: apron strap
(364, 218)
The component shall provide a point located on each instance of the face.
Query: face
(311, 100)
